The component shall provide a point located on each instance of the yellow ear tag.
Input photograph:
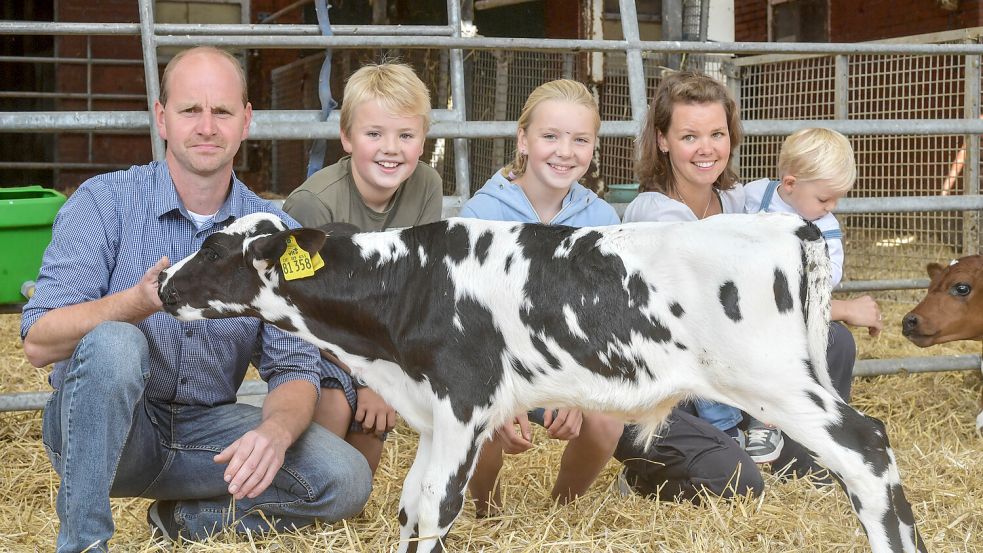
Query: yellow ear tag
(297, 263)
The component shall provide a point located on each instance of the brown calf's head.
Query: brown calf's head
(953, 307)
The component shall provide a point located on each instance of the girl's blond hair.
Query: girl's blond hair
(395, 86)
(561, 90)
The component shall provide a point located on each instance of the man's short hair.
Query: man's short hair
(818, 154)
(394, 85)
(202, 50)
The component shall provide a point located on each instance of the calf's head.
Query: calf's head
(235, 270)
(953, 307)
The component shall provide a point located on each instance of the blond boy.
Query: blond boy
(385, 115)
(816, 168)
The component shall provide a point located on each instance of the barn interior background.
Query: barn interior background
(82, 75)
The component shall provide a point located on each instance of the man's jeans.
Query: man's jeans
(105, 439)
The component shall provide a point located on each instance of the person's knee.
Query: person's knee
(746, 481)
(338, 474)
(333, 411)
(601, 432)
(113, 354)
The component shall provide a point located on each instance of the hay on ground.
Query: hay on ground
(929, 418)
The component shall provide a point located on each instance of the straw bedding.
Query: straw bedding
(929, 417)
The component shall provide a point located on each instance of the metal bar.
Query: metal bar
(70, 95)
(909, 204)
(636, 71)
(68, 61)
(64, 28)
(263, 120)
(462, 171)
(150, 74)
(842, 88)
(575, 45)
(871, 367)
(33, 401)
(971, 166)
(489, 4)
(23, 165)
(267, 37)
(672, 28)
(879, 285)
(775, 127)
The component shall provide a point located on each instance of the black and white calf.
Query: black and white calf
(463, 323)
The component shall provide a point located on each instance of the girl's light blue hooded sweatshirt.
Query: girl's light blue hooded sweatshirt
(502, 200)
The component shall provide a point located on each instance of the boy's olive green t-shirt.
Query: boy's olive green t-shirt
(330, 196)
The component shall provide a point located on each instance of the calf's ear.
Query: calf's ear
(269, 248)
(310, 240)
(934, 269)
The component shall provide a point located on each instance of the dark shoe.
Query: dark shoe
(764, 442)
(737, 434)
(163, 526)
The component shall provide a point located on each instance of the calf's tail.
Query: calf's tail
(815, 292)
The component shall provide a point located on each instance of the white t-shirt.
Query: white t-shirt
(657, 207)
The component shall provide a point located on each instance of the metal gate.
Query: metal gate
(841, 76)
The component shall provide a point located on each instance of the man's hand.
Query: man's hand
(56, 334)
(565, 425)
(145, 291)
(373, 413)
(253, 461)
(513, 443)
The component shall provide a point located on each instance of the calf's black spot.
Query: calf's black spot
(783, 296)
(730, 300)
(676, 309)
(481, 247)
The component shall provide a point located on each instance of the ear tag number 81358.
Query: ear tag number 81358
(297, 263)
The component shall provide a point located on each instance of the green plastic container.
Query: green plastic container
(621, 193)
(26, 215)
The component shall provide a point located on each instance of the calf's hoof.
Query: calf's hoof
(979, 424)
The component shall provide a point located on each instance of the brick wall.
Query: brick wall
(751, 21)
(106, 79)
(129, 149)
(853, 21)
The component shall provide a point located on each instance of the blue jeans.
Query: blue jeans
(722, 416)
(104, 438)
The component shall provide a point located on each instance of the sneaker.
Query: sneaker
(160, 517)
(764, 442)
(737, 434)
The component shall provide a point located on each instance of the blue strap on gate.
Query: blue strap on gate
(320, 145)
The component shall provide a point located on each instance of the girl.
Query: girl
(554, 147)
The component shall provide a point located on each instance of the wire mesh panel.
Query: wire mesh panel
(501, 81)
(882, 245)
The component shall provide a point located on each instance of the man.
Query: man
(144, 405)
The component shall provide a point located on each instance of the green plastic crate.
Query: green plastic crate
(26, 215)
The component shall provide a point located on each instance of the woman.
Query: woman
(685, 174)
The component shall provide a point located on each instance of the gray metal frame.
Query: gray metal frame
(453, 123)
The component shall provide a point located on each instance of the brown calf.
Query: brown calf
(952, 310)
